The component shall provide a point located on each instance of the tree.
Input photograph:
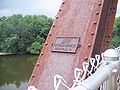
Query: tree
(23, 34)
(116, 34)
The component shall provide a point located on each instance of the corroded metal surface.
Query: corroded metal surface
(86, 19)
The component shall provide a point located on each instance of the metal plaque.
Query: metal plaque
(65, 44)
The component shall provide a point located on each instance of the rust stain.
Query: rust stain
(87, 19)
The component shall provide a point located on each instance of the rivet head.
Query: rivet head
(60, 10)
(63, 2)
(46, 43)
(86, 58)
(109, 36)
(89, 45)
(50, 34)
(99, 4)
(95, 22)
(57, 17)
(33, 75)
(92, 33)
(105, 36)
(97, 13)
(38, 64)
(42, 53)
(53, 25)
(108, 41)
(113, 11)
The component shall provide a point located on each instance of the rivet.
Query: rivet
(92, 33)
(89, 45)
(105, 36)
(57, 17)
(38, 64)
(41, 53)
(53, 25)
(99, 4)
(109, 36)
(95, 22)
(113, 11)
(108, 41)
(63, 2)
(50, 34)
(60, 10)
(86, 58)
(97, 12)
(46, 43)
(33, 75)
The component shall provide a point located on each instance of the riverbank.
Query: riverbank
(7, 54)
(3, 54)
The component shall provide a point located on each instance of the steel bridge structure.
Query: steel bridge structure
(81, 29)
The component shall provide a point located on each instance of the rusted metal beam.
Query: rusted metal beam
(78, 32)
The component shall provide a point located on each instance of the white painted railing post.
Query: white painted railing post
(111, 56)
(106, 74)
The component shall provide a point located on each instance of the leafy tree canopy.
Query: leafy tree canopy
(23, 34)
(116, 34)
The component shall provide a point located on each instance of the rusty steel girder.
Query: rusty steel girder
(81, 29)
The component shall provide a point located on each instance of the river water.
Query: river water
(15, 71)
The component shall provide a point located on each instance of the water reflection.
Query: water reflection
(15, 71)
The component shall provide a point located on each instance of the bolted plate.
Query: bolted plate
(65, 44)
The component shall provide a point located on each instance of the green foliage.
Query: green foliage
(19, 34)
(36, 46)
(116, 34)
